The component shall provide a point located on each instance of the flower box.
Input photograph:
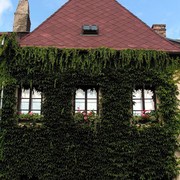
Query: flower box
(146, 118)
(30, 119)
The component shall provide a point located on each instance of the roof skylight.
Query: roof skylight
(90, 29)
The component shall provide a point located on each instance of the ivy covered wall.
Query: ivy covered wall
(61, 149)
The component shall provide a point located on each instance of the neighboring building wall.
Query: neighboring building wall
(178, 152)
(179, 93)
(161, 30)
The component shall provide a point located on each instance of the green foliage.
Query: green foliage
(61, 149)
(6, 51)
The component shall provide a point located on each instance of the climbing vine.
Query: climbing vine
(61, 149)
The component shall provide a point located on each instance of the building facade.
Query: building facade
(89, 94)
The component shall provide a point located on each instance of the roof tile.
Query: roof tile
(118, 28)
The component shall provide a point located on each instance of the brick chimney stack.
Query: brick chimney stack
(160, 29)
(22, 21)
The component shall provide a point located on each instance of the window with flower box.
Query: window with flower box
(29, 100)
(86, 100)
(143, 100)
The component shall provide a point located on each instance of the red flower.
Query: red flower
(85, 118)
(31, 113)
(144, 115)
(90, 113)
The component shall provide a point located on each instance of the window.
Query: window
(86, 100)
(143, 100)
(29, 101)
(90, 30)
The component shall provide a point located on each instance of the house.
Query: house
(89, 94)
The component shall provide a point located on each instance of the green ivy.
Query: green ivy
(61, 149)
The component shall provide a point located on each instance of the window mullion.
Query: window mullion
(30, 100)
(154, 99)
(19, 100)
(74, 102)
(42, 97)
(97, 101)
(86, 100)
(143, 99)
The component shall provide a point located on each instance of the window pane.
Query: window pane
(91, 105)
(36, 104)
(148, 94)
(91, 93)
(25, 104)
(25, 94)
(149, 104)
(36, 94)
(137, 105)
(80, 93)
(137, 94)
(80, 104)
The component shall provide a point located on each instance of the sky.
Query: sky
(149, 11)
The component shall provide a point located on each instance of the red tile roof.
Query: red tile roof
(118, 28)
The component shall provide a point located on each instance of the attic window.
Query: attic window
(90, 29)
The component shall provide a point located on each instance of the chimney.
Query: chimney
(22, 21)
(160, 29)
